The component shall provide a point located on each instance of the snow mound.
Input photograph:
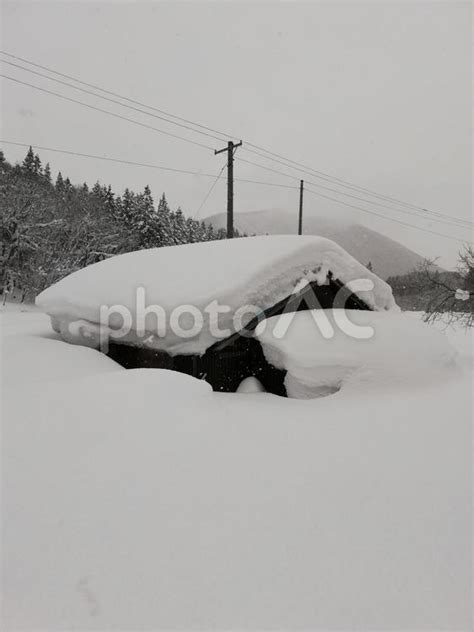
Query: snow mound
(250, 385)
(257, 271)
(44, 360)
(325, 350)
(165, 384)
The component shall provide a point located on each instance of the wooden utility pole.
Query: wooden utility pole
(300, 218)
(230, 149)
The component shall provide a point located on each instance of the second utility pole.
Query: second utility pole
(230, 149)
(300, 217)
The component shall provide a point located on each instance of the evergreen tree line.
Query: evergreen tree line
(50, 229)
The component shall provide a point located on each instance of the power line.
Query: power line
(325, 176)
(206, 197)
(109, 159)
(273, 184)
(99, 96)
(119, 116)
(271, 155)
(391, 219)
(321, 174)
(390, 208)
(114, 94)
(450, 219)
(65, 83)
(140, 164)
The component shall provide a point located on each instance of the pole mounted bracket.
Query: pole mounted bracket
(229, 144)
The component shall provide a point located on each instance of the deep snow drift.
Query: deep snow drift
(142, 500)
(325, 350)
(257, 271)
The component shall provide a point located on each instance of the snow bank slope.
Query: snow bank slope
(324, 350)
(257, 270)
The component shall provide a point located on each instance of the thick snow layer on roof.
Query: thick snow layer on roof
(326, 350)
(257, 271)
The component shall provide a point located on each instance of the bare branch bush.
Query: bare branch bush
(448, 302)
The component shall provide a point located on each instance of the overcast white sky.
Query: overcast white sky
(376, 93)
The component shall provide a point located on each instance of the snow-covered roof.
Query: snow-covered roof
(256, 270)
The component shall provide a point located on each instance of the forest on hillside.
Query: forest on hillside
(51, 227)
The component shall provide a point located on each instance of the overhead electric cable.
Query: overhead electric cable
(119, 116)
(379, 205)
(390, 219)
(271, 155)
(139, 164)
(420, 212)
(114, 94)
(100, 96)
(206, 197)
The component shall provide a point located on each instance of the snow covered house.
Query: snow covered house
(194, 308)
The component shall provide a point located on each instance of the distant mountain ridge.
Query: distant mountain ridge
(388, 257)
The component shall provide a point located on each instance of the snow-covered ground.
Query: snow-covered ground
(141, 500)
